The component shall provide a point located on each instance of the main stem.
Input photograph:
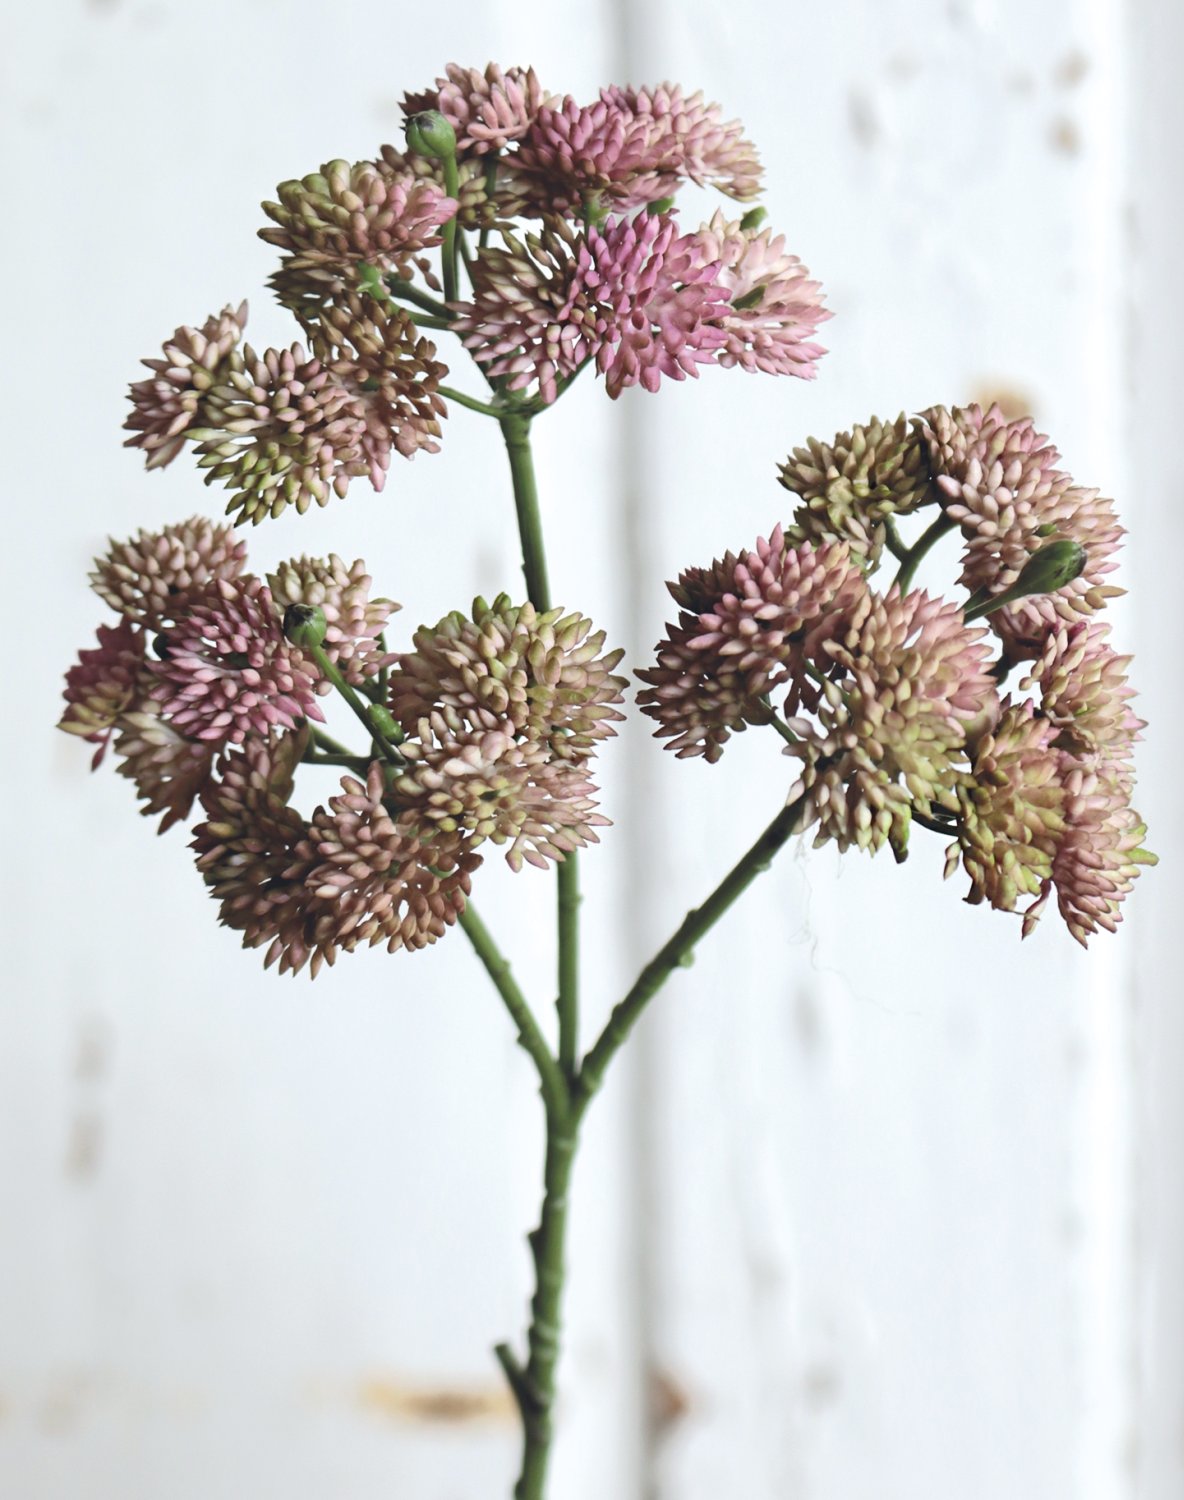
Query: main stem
(535, 1387)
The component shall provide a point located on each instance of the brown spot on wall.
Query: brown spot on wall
(1065, 136)
(669, 1400)
(1012, 400)
(1071, 69)
(454, 1405)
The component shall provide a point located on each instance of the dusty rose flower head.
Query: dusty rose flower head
(360, 213)
(354, 621)
(710, 151)
(1000, 481)
(775, 307)
(1100, 853)
(1011, 811)
(660, 307)
(542, 677)
(909, 688)
(103, 684)
(280, 430)
(149, 577)
(380, 876)
(1084, 692)
(746, 628)
(168, 770)
(490, 194)
(528, 322)
(597, 154)
(489, 109)
(374, 351)
(848, 801)
(488, 785)
(849, 487)
(227, 670)
(254, 853)
(167, 404)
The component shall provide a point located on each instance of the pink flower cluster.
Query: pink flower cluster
(890, 700)
(607, 278)
(492, 721)
(641, 299)
(198, 660)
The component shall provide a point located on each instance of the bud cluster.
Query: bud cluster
(890, 700)
(207, 689)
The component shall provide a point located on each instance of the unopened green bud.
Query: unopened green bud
(753, 219)
(1045, 571)
(660, 205)
(1051, 568)
(305, 624)
(384, 722)
(430, 134)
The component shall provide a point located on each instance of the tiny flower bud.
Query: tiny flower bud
(430, 134)
(305, 624)
(384, 722)
(753, 219)
(660, 205)
(1051, 568)
(1045, 571)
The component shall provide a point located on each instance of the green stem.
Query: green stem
(912, 558)
(530, 1037)
(490, 190)
(537, 1387)
(679, 950)
(406, 291)
(429, 320)
(329, 669)
(325, 741)
(360, 764)
(515, 428)
(568, 1003)
(448, 249)
(778, 723)
(893, 542)
(471, 402)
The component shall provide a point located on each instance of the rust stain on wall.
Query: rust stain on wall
(1071, 69)
(1064, 135)
(399, 1401)
(669, 1400)
(1014, 401)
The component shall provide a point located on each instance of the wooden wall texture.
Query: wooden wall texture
(882, 1204)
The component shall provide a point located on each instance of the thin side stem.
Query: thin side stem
(406, 291)
(448, 248)
(329, 669)
(568, 1002)
(471, 402)
(530, 1038)
(679, 950)
(912, 558)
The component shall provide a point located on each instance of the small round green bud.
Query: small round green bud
(1051, 568)
(384, 722)
(430, 134)
(754, 218)
(305, 624)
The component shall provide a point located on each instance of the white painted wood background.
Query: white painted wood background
(883, 1204)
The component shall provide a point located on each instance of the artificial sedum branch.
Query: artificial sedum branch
(481, 731)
